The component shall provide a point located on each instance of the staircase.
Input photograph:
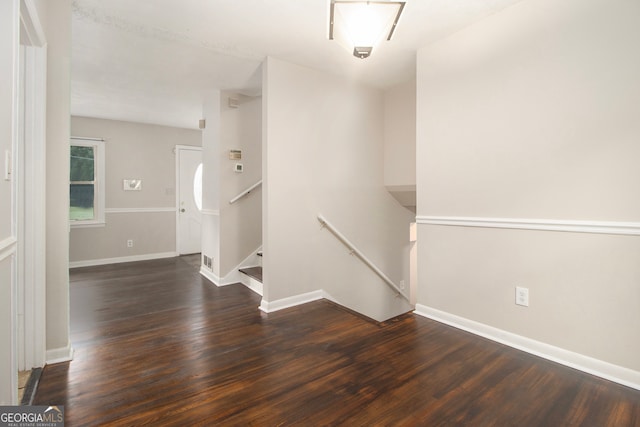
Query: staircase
(252, 277)
(254, 273)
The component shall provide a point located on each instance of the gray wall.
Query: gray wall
(323, 153)
(133, 151)
(533, 114)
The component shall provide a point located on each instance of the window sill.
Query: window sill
(87, 224)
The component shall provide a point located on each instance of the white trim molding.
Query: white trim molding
(253, 284)
(31, 25)
(599, 227)
(87, 138)
(599, 368)
(234, 276)
(212, 212)
(118, 260)
(7, 247)
(140, 210)
(281, 304)
(211, 276)
(87, 224)
(59, 355)
(31, 274)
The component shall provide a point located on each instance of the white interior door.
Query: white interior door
(189, 198)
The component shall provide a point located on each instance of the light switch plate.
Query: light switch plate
(132, 184)
(7, 165)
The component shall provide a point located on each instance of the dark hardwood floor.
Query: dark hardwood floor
(254, 272)
(156, 344)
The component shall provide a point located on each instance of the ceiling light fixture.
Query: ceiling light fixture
(361, 25)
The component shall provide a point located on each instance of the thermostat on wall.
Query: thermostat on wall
(132, 184)
(238, 167)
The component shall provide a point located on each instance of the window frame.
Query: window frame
(98, 182)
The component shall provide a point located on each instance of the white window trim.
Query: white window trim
(99, 172)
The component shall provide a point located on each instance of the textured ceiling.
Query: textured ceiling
(152, 61)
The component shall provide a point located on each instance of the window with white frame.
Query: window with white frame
(86, 182)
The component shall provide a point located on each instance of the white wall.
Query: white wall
(9, 33)
(400, 135)
(241, 222)
(400, 143)
(56, 21)
(323, 153)
(533, 113)
(211, 148)
(133, 151)
(231, 232)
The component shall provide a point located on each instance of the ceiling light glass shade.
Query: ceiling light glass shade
(360, 25)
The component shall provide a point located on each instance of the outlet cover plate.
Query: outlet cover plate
(522, 296)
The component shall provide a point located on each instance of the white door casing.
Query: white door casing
(189, 215)
(29, 189)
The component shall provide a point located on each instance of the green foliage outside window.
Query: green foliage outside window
(82, 163)
(82, 183)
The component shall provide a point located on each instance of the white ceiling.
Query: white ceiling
(152, 61)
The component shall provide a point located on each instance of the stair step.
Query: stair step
(253, 272)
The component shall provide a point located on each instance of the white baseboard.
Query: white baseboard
(281, 304)
(213, 278)
(234, 276)
(247, 281)
(252, 284)
(117, 260)
(59, 355)
(599, 368)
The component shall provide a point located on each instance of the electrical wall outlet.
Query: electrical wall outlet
(522, 296)
(401, 284)
(129, 243)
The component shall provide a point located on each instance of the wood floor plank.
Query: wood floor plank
(157, 344)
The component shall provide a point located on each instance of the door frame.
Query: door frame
(30, 183)
(177, 150)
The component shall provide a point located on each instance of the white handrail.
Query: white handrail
(245, 192)
(363, 258)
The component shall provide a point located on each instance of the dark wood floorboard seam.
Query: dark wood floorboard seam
(157, 344)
